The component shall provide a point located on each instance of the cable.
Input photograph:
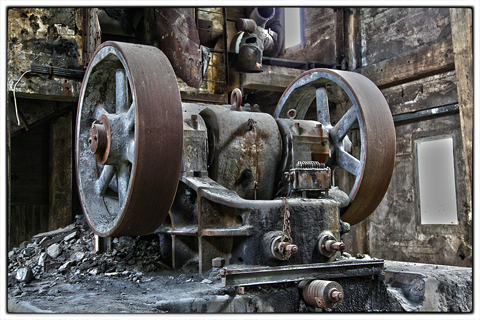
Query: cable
(15, 99)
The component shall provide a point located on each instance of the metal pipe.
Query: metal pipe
(262, 15)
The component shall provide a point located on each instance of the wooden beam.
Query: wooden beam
(425, 93)
(352, 38)
(339, 27)
(61, 173)
(10, 227)
(462, 36)
(204, 97)
(412, 65)
(273, 78)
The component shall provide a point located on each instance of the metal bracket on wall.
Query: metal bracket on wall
(423, 114)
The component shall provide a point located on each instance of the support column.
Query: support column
(462, 36)
(61, 166)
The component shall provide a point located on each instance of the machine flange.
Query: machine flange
(129, 91)
(373, 170)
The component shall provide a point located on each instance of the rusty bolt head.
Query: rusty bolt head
(338, 246)
(335, 295)
(97, 138)
(333, 246)
(291, 248)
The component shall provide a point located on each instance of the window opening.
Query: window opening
(292, 27)
(436, 179)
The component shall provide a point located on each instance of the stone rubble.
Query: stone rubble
(71, 258)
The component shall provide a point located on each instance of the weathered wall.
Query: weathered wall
(319, 37)
(408, 53)
(40, 168)
(387, 33)
(48, 36)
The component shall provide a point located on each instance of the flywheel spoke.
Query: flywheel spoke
(349, 162)
(123, 177)
(345, 124)
(99, 110)
(323, 112)
(130, 117)
(121, 91)
(104, 179)
(130, 153)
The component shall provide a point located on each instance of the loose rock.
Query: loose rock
(54, 250)
(24, 274)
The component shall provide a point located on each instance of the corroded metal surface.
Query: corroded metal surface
(176, 31)
(245, 148)
(373, 170)
(132, 193)
(249, 276)
(322, 294)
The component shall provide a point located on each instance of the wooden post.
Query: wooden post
(10, 239)
(462, 36)
(352, 39)
(340, 38)
(61, 145)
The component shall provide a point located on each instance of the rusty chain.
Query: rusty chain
(286, 237)
(252, 124)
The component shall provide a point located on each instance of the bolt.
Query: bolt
(338, 246)
(333, 246)
(291, 248)
(335, 295)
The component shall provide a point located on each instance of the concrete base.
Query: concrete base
(430, 288)
(407, 287)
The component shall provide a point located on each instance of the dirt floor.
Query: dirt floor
(59, 272)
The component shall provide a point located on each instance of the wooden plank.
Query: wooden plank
(9, 175)
(461, 20)
(352, 38)
(61, 173)
(273, 78)
(93, 34)
(204, 97)
(235, 13)
(422, 94)
(413, 65)
(339, 37)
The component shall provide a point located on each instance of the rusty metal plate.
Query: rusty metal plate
(135, 87)
(374, 168)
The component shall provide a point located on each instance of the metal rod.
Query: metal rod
(266, 275)
(437, 111)
(451, 108)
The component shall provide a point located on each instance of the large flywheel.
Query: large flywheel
(369, 111)
(129, 139)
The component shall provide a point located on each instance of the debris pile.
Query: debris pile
(68, 253)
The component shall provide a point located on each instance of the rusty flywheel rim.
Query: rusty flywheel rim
(374, 168)
(130, 92)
